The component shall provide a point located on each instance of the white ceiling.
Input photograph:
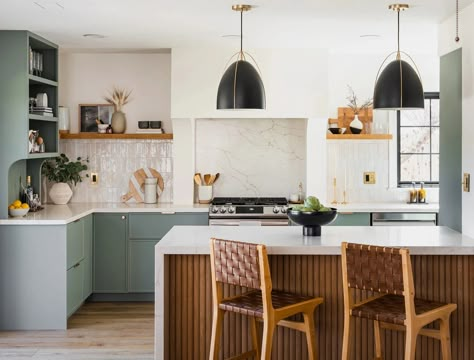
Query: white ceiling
(157, 24)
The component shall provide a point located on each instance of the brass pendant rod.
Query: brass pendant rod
(241, 29)
(398, 33)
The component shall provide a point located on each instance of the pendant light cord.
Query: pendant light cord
(457, 22)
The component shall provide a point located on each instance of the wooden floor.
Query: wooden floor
(98, 331)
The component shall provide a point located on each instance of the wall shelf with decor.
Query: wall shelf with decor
(359, 136)
(90, 136)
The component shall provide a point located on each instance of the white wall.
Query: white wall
(85, 78)
(446, 45)
(295, 83)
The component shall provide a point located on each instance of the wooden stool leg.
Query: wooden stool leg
(216, 333)
(378, 343)
(310, 335)
(346, 339)
(253, 331)
(445, 338)
(410, 343)
(268, 329)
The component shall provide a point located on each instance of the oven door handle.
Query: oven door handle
(248, 222)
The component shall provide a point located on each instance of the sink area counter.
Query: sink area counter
(442, 260)
(386, 207)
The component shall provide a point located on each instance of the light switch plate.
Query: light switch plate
(369, 177)
(466, 182)
(94, 178)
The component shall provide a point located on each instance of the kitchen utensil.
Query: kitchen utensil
(212, 179)
(137, 183)
(205, 194)
(217, 177)
(207, 179)
(197, 179)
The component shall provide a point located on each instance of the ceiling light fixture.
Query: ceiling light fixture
(398, 86)
(241, 86)
(94, 36)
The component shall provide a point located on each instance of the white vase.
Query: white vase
(356, 125)
(119, 122)
(60, 193)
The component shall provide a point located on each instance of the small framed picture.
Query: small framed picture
(90, 113)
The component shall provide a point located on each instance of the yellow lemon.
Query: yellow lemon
(16, 203)
(25, 206)
(11, 207)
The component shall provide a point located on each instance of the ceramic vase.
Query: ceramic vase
(119, 122)
(60, 193)
(356, 125)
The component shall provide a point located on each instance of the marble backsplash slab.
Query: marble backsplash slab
(114, 161)
(255, 157)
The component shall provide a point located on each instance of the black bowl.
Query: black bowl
(355, 130)
(143, 124)
(155, 124)
(335, 131)
(312, 221)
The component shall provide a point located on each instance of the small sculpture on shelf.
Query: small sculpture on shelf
(35, 142)
(356, 125)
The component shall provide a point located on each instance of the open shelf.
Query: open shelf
(36, 80)
(359, 137)
(42, 155)
(42, 118)
(116, 136)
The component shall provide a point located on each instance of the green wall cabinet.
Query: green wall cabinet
(110, 253)
(352, 219)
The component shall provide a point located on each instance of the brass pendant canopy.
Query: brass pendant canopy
(241, 86)
(398, 86)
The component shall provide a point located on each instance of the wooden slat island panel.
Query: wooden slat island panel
(187, 315)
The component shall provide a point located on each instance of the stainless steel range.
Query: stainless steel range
(235, 211)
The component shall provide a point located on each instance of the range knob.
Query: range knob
(231, 210)
(223, 210)
(214, 209)
(284, 209)
(276, 210)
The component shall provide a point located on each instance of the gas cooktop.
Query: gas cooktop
(262, 201)
(248, 207)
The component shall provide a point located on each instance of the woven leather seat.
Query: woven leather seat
(246, 265)
(251, 303)
(391, 309)
(388, 271)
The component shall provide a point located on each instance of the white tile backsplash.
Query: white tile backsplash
(347, 162)
(255, 157)
(115, 161)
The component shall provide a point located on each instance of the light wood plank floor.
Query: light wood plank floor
(97, 331)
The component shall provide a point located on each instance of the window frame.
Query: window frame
(430, 96)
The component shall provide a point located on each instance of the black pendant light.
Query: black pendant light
(398, 86)
(241, 86)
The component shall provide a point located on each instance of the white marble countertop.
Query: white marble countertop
(385, 207)
(421, 240)
(64, 214)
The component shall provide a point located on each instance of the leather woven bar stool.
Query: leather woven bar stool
(246, 265)
(388, 272)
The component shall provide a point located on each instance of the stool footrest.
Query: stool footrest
(245, 355)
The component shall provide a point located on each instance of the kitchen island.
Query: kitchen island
(443, 264)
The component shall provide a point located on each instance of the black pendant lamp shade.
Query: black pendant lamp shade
(241, 88)
(398, 87)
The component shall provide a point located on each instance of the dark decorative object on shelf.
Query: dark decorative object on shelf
(355, 130)
(312, 221)
(398, 86)
(241, 86)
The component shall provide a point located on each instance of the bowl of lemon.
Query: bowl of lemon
(18, 209)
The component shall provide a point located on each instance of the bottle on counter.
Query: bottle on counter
(413, 193)
(422, 193)
(29, 190)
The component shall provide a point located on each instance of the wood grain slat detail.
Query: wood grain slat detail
(188, 327)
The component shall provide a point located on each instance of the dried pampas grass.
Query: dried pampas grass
(118, 98)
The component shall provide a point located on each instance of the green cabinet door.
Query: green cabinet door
(110, 253)
(75, 242)
(87, 262)
(75, 280)
(155, 226)
(141, 266)
(352, 219)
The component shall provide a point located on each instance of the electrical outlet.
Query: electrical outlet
(466, 182)
(369, 177)
(94, 178)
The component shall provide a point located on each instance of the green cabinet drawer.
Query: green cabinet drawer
(110, 253)
(74, 288)
(88, 243)
(155, 226)
(75, 242)
(352, 219)
(141, 266)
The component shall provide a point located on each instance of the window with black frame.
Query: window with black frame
(418, 143)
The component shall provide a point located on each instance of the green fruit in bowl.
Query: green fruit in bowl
(313, 203)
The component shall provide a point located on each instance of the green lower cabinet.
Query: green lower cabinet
(110, 253)
(88, 243)
(141, 262)
(155, 226)
(352, 219)
(75, 282)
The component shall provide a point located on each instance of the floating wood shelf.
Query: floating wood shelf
(92, 135)
(359, 137)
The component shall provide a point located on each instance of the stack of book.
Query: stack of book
(42, 111)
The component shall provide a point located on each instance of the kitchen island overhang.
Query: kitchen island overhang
(443, 263)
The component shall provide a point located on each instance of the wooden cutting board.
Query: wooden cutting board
(137, 183)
